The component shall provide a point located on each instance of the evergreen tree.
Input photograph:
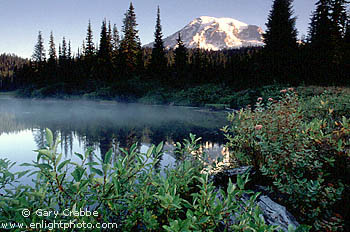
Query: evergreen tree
(180, 55)
(115, 38)
(321, 46)
(346, 43)
(320, 29)
(104, 68)
(347, 31)
(110, 40)
(115, 44)
(64, 48)
(69, 53)
(52, 49)
(130, 46)
(338, 18)
(105, 50)
(281, 32)
(59, 51)
(64, 51)
(280, 44)
(89, 47)
(39, 50)
(110, 36)
(158, 60)
(78, 53)
(200, 65)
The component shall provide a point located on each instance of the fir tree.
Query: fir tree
(320, 29)
(158, 60)
(103, 69)
(69, 53)
(280, 44)
(89, 47)
(39, 54)
(105, 51)
(347, 31)
(78, 53)
(59, 51)
(115, 44)
(199, 64)
(83, 49)
(130, 46)
(64, 50)
(110, 36)
(52, 49)
(115, 38)
(180, 55)
(320, 41)
(110, 40)
(346, 43)
(281, 33)
(338, 18)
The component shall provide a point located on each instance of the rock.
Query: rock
(237, 171)
(276, 214)
(222, 178)
(273, 213)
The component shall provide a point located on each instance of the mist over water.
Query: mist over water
(80, 124)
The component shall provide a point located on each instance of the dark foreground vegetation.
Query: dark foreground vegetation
(298, 142)
(125, 190)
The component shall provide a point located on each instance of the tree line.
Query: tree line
(119, 67)
(9, 63)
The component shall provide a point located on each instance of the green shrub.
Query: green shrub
(201, 95)
(331, 104)
(306, 158)
(242, 99)
(158, 97)
(127, 189)
(248, 97)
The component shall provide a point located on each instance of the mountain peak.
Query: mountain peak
(230, 21)
(216, 33)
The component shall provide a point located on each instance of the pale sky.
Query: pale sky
(20, 20)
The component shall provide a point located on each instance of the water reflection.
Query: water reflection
(105, 125)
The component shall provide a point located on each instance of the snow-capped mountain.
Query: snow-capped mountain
(215, 34)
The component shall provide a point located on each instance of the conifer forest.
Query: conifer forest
(119, 68)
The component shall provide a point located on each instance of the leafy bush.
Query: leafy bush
(157, 97)
(25, 92)
(248, 97)
(127, 189)
(331, 104)
(306, 158)
(201, 95)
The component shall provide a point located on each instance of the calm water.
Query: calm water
(101, 125)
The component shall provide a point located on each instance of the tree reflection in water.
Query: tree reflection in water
(108, 125)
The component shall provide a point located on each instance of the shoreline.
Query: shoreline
(206, 108)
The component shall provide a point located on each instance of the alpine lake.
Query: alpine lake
(102, 125)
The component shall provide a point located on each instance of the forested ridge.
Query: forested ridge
(9, 63)
(119, 68)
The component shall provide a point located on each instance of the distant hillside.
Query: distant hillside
(8, 64)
